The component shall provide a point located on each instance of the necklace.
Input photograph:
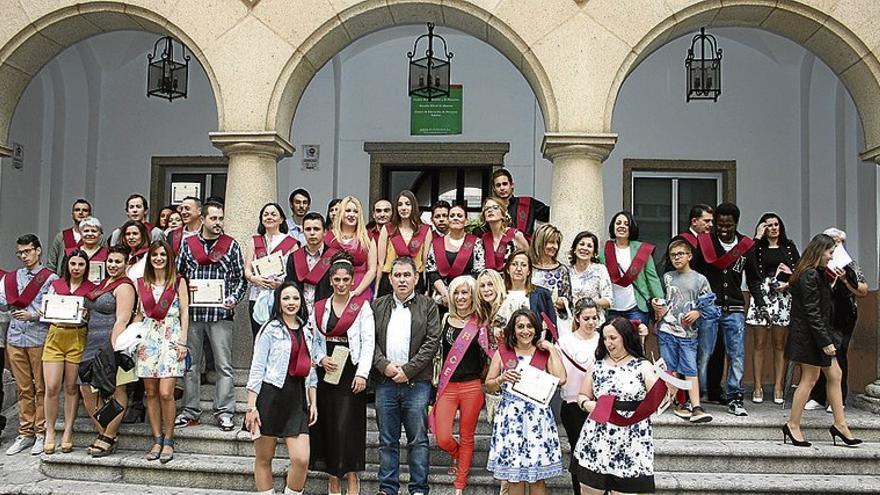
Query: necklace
(617, 360)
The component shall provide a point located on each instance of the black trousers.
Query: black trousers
(819, 394)
(715, 371)
(573, 419)
(2, 365)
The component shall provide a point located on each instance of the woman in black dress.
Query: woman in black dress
(812, 341)
(281, 391)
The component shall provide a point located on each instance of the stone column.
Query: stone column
(251, 182)
(5, 150)
(870, 400)
(577, 198)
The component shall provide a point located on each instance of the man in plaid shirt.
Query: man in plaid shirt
(211, 255)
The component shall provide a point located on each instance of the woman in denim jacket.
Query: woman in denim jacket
(281, 390)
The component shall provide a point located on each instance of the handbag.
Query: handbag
(108, 412)
(492, 402)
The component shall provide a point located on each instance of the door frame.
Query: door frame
(159, 166)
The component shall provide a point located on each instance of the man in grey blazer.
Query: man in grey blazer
(407, 336)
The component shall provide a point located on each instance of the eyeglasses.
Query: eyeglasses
(25, 252)
(491, 208)
(675, 256)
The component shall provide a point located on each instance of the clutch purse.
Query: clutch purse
(108, 412)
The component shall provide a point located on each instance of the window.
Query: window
(429, 184)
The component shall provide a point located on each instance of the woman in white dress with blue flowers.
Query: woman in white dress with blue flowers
(524, 450)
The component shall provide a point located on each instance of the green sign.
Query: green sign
(438, 116)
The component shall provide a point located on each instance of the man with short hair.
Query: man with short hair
(382, 210)
(440, 217)
(21, 293)
(309, 265)
(211, 255)
(300, 200)
(407, 337)
(190, 210)
(700, 218)
(68, 239)
(137, 209)
(721, 259)
(523, 210)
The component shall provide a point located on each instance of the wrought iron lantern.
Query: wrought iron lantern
(166, 76)
(703, 74)
(429, 75)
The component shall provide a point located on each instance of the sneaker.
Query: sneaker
(700, 416)
(21, 443)
(37, 448)
(682, 412)
(182, 421)
(736, 408)
(829, 410)
(225, 423)
(812, 405)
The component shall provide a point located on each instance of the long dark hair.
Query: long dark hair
(812, 256)
(783, 239)
(76, 253)
(282, 227)
(572, 257)
(302, 315)
(415, 214)
(333, 202)
(628, 335)
(633, 225)
(510, 329)
(145, 236)
(170, 264)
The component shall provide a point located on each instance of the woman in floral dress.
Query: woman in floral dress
(589, 278)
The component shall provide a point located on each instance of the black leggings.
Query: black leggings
(573, 419)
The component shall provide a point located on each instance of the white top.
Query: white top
(584, 352)
(728, 245)
(515, 300)
(624, 297)
(136, 270)
(399, 333)
(271, 243)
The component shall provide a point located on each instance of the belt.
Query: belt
(340, 340)
(626, 405)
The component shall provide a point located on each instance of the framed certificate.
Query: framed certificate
(269, 266)
(207, 292)
(62, 309)
(97, 269)
(534, 385)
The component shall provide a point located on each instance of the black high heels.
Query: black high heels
(786, 436)
(835, 434)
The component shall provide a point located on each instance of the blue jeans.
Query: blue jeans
(407, 405)
(631, 314)
(732, 327)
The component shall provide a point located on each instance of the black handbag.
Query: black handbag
(124, 361)
(108, 412)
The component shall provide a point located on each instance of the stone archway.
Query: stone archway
(375, 15)
(38, 42)
(846, 53)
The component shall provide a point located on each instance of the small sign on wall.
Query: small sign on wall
(440, 116)
(311, 155)
(17, 156)
(180, 190)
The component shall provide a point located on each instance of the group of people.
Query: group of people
(429, 320)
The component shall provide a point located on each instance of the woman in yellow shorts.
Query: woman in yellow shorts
(63, 351)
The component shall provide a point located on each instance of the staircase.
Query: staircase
(728, 455)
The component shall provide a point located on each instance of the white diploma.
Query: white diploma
(62, 309)
(207, 292)
(268, 266)
(96, 271)
(839, 258)
(534, 385)
(340, 356)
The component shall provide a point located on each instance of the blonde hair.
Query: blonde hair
(505, 217)
(360, 231)
(544, 234)
(457, 282)
(486, 311)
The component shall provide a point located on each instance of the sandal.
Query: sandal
(758, 396)
(165, 457)
(155, 453)
(98, 451)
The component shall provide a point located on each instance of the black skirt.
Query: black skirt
(339, 438)
(284, 412)
(609, 482)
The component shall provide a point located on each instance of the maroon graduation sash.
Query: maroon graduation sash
(301, 266)
(550, 326)
(70, 242)
(415, 243)
(100, 255)
(510, 361)
(175, 237)
(604, 412)
(284, 247)
(456, 354)
(358, 252)
(643, 254)
(349, 314)
(300, 362)
(137, 255)
(105, 287)
(690, 238)
(156, 310)
(461, 258)
(707, 248)
(27, 296)
(374, 232)
(221, 246)
(572, 360)
(62, 289)
(495, 257)
(523, 208)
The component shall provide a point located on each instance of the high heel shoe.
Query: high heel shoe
(835, 434)
(66, 447)
(786, 436)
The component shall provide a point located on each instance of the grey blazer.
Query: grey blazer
(425, 337)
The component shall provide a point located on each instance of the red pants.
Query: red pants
(467, 397)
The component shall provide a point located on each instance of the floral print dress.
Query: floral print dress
(525, 441)
(622, 451)
(156, 354)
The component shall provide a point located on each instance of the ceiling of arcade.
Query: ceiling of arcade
(261, 54)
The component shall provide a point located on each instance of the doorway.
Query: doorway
(173, 178)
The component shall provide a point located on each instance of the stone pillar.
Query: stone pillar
(5, 150)
(577, 198)
(251, 183)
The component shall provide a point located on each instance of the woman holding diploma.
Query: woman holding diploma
(91, 231)
(164, 310)
(615, 458)
(271, 240)
(281, 391)
(111, 304)
(524, 449)
(349, 234)
(405, 235)
(63, 352)
(465, 349)
(344, 344)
